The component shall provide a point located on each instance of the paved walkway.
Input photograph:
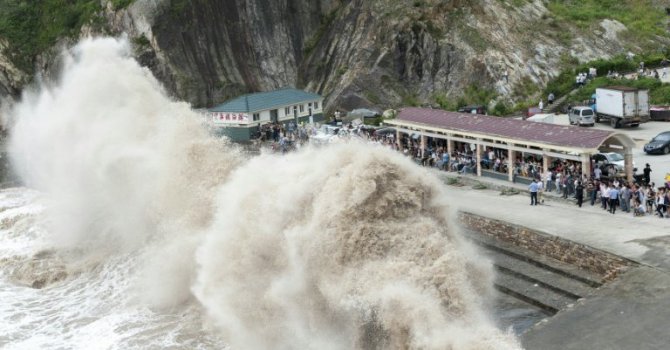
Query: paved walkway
(629, 313)
(621, 233)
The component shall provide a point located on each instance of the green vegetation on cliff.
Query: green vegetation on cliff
(472, 95)
(659, 93)
(565, 82)
(121, 4)
(34, 26)
(642, 19)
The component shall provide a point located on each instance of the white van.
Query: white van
(582, 116)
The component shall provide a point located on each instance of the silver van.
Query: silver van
(582, 116)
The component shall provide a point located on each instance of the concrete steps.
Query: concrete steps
(532, 293)
(552, 108)
(558, 282)
(542, 282)
(558, 103)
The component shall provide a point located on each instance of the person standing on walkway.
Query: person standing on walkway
(550, 98)
(533, 192)
(647, 174)
(579, 193)
(549, 177)
(594, 193)
(636, 194)
(591, 191)
(624, 198)
(614, 197)
(650, 195)
(661, 203)
(564, 184)
(541, 105)
(604, 195)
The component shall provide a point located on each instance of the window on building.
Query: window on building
(316, 105)
(302, 108)
(287, 111)
(257, 117)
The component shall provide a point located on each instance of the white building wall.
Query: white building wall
(265, 116)
(283, 116)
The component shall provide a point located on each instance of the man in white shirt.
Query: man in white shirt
(547, 178)
(604, 195)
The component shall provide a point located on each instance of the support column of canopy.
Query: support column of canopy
(628, 163)
(398, 140)
(423, 145)
(511, 160)
(450, 145)
(586, 165)
(546, 160)
(478, 150)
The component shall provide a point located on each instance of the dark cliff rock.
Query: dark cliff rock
(224, 48)
(383, 53)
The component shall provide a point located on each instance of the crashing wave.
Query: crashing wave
(342, 247)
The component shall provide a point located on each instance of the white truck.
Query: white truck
(622, 106)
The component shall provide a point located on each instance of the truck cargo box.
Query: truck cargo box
(623, 102)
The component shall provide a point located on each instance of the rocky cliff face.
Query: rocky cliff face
(207, 51)
(354, 52)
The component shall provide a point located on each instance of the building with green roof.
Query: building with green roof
(241, 117)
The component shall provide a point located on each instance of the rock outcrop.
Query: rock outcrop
(355, 52)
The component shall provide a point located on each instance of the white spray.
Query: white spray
(347, 247)
(122, 163)
(336, 248)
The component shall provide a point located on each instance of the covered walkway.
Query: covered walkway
(473, 133)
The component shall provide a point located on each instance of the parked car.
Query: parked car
(384, 131)
(477, 109)
(659, 144)
(582, 116)
(605, 159)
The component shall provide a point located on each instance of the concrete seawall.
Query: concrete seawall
(584, 257)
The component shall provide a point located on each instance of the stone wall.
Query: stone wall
(593, 260)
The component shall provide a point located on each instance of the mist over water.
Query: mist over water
(161, 235)
(123, 164)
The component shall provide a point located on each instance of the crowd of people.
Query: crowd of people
(603, 185)
(612, 193)
(289, 136)
(285, 137)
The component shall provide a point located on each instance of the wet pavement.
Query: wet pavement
(629, 313)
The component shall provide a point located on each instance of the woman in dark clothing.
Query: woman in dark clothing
(579, 193)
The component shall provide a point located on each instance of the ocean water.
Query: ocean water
(136, 230)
